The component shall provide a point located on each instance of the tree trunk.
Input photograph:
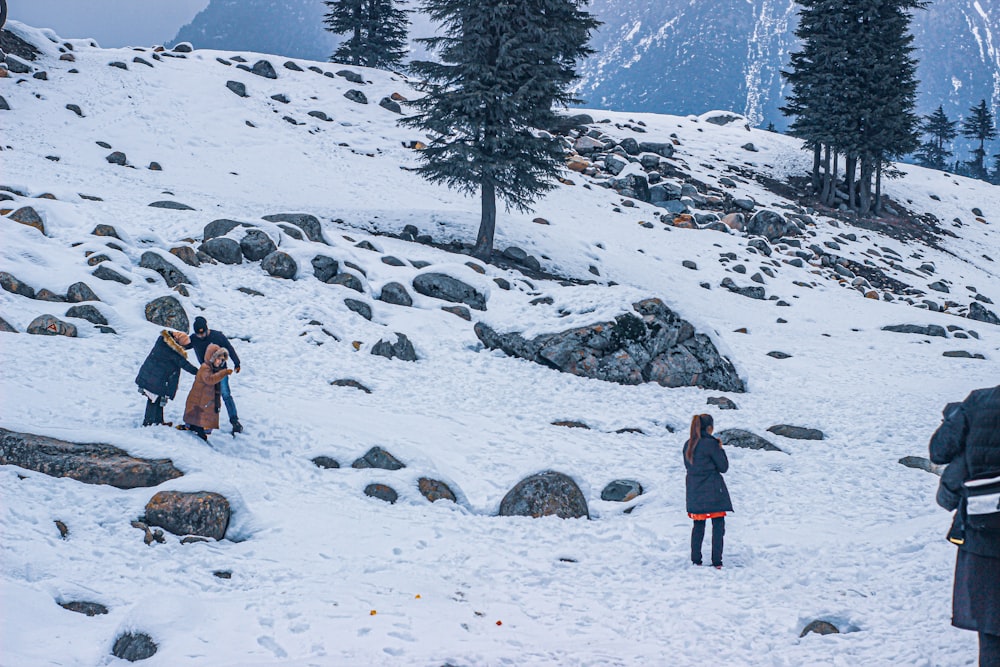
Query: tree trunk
(852, 165)
(817, 158)
(488, 222)
(825, 193)
(877, 208)
(833, 187)
(865, 202)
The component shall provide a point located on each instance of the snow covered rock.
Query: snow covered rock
(134, 646)
(359, 307)
(201, 513)
(442, 286)
(736, 437)
(435, 490)
(545, 494)
(89, 463)
(223, 249)
(621, 491)
(771, 226)
(325, 462)
(26, 215)
(256, 245)
(6, 327)
(171, 274)
(10, 283)
(654, 346)
(280, 265)
(402, 349)
(395, 294)
(167, 311)
(220, 227)
(307, 223)
(797, 432)
(928, 330)
(382, 492)
(237, 88)
(324, 268)
(376, 457)
(820, 628)
(265, 69)
(87, 608)
(981, 313)
(356, 96)
(49, 325)
(89, 313)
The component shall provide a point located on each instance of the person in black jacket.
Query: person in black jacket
(200, 340)
(159, 373)
(707, 495)
(971, 430)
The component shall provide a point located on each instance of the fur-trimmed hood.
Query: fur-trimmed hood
(172, 343)
(212, 351)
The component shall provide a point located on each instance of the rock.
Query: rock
(820, 628)
(172, 205)
(280, 97)
(982, 314)
(351, 383)
(48, 295)
(395, 294)
(220, 227)
(585, 145)
(382, 492)
(661, 149)
(167, 311)
(621, 491)
(351, 76)
(134, 646)
(654, 346)
(634, 186)
(88, 463)
(265, 69)
(106, 230)
(753, 292)
(49, 325)
(545, 494)
(3, 104)
(723, 118)
(325, 462)
(442, 286)
(735, 437)
(749, 147)
(320, 115)
(745, 204)
(87, 608)
(237, 88)
(771, 226)
(224, 250)
(280, 265)
(324, 268)
(921, 463)
(348, 280)
(723, 402)
(390, 104)
(307, 223)
(117, 157)
(461, 311)
(796, 432)
(614, 164)
(434, 490)
(402, 349)
(256, 245)
(734, 221)
(75, 108)
(778, 354)
(292, 65)
(11, 284)
(962, 354)
(171, 274)
(392, 261)
(185, 47)
(376, 457)
(929, 330)
(223, 574)
(186, 254)
(105, 273)
(938, 286)
(89, 313)
(16, 65)
(359, 307)
(6, 327)
(356, 96)
(200, 513)
(26, 215)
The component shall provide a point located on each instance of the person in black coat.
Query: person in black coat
(200, 340)
(160, 372)
(707, 495)
(969, 441)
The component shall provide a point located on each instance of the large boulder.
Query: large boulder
(49, 325)
(402, 349)
(280, 265)
(256, 245)
(28, 216)
(265, 69)
(202, 513)
(170, 273)
(89, 313)
(324, 268)
(224, 250)
(220, 227)
(167, 311)
(134, 646)
(771, 226)
(652, 345)
(442, 286)
(11, 284)
(545, 494)
(395, 294)
(307, 223)
(928, 330)
(79, 292)
(376, 457)
(736, 437)
(435, 490)
(797, 432)
(90, 463)
(981, 313)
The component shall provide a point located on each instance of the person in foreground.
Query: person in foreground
(969, 441)
(201, 340)
(707, 495)
(159, 373)
(201, 413)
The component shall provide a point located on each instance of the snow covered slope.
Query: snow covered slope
(831, 529)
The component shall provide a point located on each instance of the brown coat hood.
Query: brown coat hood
(205, 399)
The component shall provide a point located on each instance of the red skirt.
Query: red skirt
(703, 517)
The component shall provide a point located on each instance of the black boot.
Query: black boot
(237, 426)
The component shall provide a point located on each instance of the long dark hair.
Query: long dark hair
(699, 429)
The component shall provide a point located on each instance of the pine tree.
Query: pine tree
(504, 65)
(979, 126)
(940, 130)
(995, 177)
(377, 28)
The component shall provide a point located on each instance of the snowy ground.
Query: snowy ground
(321, 574)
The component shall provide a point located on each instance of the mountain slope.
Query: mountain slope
(321, 574)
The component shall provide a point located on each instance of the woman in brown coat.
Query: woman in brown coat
(201, 413)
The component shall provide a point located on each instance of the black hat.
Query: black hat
(200, 324)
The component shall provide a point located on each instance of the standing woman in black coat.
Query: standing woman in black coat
(160, 372)
(707, 495)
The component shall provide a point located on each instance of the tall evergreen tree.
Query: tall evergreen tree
(979, 126)
(377, 32)
(940, 130)
(503, 66)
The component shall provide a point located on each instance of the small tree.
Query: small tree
(504, 65)
(377, 32)
(940, 130)
(979, 126)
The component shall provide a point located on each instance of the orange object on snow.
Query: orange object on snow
(703, 517)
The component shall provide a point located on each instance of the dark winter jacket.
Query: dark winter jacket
(213, 338)
(706, 490)
(204, 400)
(162, 368)
(972, 429)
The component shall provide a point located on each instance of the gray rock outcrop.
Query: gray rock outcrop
(280, 265)
(545, 494)
(442, 286)
(307, 223)
(201, 513)
(256, 245)
(167, 311)
(736, 437)
(171, 274)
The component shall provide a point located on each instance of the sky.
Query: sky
(111, 22)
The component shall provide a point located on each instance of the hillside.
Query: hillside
(321, 574)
